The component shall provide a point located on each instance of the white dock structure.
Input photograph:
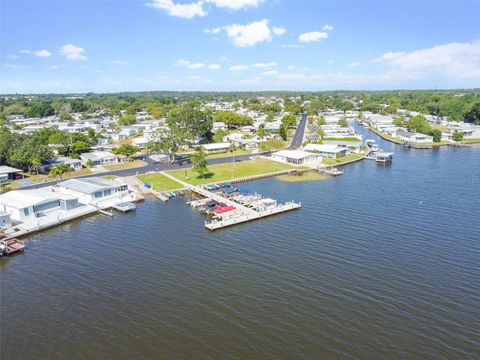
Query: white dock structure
(241, 214)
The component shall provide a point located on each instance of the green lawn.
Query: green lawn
(309, 176)
(226, 172)
(342, 160)
(125, 165)
(229, 154)
(160, 182)
(471, 140)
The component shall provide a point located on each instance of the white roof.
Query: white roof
(8, 170)
(323, 148)
(96, 155)
(294, 154)
(216, 146)
(21, 199)
(89, 185)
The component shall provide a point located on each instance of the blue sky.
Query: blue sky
(109, 46)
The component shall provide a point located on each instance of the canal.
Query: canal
(382, 262)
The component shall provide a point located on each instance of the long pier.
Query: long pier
(241, 214)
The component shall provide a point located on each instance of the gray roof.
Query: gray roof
(8, 170)
(89, 185)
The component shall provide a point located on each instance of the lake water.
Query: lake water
(380, 263)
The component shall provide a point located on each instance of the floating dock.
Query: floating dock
(11, 246)
(124, 207)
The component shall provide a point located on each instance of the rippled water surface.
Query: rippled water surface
(383, 262)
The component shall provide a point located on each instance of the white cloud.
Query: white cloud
(250, 34)
(312, 36)
(214, 66)
(292, 46)
(72, 52)
(55, 67)
(238, 68)
(279, 30)
(213, 31)
(265, 65)
(270, 73)
(353, 64)
(291, 67)
(453, 60)
(196, 8)
(327, 28)
(12, 56)
(117, 62)
(186, 11)
(235, 4)
(38, 53)
(12, 66)
(189, 65)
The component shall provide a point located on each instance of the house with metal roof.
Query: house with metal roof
(296, 157)
(94, 190)
(7, 173)
(23, 205)
(327, 150)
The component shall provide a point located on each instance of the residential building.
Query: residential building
(328, 150)
(296, 157)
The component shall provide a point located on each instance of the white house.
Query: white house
(225, 146)
(23, 205)
(99, 158)
(327, 150)
(4, 220)
(219, 125)
(94, 190)
(296, 157)
(413, 137)
(236, 138)
(7, 172)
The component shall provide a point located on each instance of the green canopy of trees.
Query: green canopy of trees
(419, 124)
(233, 120)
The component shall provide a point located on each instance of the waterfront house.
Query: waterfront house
(74, 164)
(413, 137)
(4, 220)
(99, 158)
(8, 173)
(95, 190)
(23, 205)
(328, 150)
(296, 157)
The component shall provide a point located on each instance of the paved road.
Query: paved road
(152, 166)
(299, 133)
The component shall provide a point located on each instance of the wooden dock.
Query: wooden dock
(242, 213)
(11, 246)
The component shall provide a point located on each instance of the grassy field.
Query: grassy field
(126, 165)
(229, 154)
(342, 160)
(225, 172)
(386, 136)
(308, 176)
(160, 182)
(471, 141)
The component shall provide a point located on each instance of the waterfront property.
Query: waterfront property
(95, 191)
(23, 205)
(296, 157)
(413, 137)
(327, 150)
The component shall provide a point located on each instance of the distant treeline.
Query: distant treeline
(459, 105)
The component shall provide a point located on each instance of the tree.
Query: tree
(35, 163)
(167, 141)
(127, 119)
(261, 131)
(398, 122)
(473, 116)
(437, 135)
(59, 170)
(90, 163)
(458, 136)
(343, 122)
(233, 120)
(125, 149)
(283, 132)
(190, 121)
(219, 135)
(199, 163)
(289, 120)
(78, 148)
(419, 124)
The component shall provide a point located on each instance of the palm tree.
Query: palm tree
(59, 170)
(35, 163)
